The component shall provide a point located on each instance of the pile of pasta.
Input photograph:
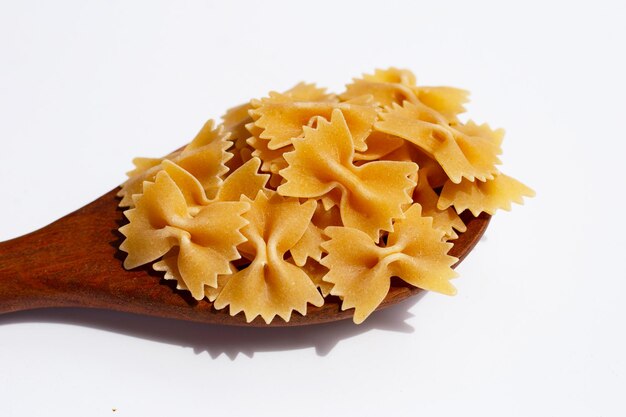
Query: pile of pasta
(305, 193)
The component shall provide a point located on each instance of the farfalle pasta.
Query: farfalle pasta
(361, 270)
(204, 157)
(371, 195)
(206, 234)
(460, 154)
(306, 194)
(270, 285)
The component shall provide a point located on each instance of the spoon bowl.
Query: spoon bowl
(75, 262)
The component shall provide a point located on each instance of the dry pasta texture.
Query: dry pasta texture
(304, 194)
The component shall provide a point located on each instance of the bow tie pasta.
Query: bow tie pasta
(306, 194)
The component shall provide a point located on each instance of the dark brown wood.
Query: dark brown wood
(75, 262)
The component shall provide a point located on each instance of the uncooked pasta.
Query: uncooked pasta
(305, 194)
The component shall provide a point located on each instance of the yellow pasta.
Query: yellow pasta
(246, 181)
(445, 218)
(273, 160)
(371, 194)
(169, 266)
(310, 245)
(487, 196)
(205, 158)
(283, 118)
(317, 272)
(275, 224)
(378, 146)
(235, 123)
(395, 85)
(392, 75)
(162, 220)
(431, 176)
(309, 92)
(305, 194)
(386, 86)
(446, 100)
(361, 270)
(461, 155)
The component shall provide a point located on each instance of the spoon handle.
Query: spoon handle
(56, 265)
(17, 286)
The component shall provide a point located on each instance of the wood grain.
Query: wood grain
(75, 262)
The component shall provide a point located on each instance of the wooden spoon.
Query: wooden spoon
(75, 262)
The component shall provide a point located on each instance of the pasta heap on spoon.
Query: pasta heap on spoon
(303, 194)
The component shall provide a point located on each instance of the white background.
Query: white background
(537, 328)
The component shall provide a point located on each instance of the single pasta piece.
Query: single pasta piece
(448, 101)
(239, 123)
(309, 92)
(386, 86)
(204, 157)
(162, 220)
(372, 194)
(395, 85)
(282, 118)
(392, 76)
(459, 154)
(271, 286)
(487, 196)
(361, 271)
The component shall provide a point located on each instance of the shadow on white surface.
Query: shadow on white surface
(228, 340)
